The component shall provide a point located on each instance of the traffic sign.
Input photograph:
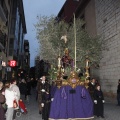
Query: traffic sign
(12, 63)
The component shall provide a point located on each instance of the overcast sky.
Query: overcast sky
(32, 8)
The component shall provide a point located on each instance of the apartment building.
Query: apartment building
(12, 35)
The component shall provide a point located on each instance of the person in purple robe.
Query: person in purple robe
(71, 101)
(53, 90)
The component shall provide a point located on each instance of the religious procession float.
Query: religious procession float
(71, 99)
(70, 75)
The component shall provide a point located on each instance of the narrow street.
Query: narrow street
(112, 112)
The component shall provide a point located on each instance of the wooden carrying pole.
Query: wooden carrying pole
(75, 39)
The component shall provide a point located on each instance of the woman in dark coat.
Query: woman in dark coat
(23, 89)
(2, 100)
(98, 102)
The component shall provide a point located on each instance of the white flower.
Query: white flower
(64, 37)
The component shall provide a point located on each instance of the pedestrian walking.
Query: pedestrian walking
(43, 89)
(23, 89)
(98, 102)
(29, 84)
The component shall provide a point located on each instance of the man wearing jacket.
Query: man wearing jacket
(43, 89)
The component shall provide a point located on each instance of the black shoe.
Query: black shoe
(102, 117)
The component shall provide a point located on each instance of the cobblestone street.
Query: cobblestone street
(112, 112)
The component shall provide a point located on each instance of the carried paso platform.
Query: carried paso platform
(71, 100)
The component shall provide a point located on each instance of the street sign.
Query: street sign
(8, 69)
(12, 63)
(3, 63)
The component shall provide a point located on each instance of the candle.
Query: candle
(87, 62)
(63, 70)
(59, 61)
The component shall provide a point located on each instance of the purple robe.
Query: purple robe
(71, 103)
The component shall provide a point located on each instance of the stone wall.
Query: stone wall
(108, 26)
(90, 18)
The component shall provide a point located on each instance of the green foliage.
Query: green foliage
(53, 73)
(83, 78)
(49, 33)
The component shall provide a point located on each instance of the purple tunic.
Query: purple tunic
(71, 103)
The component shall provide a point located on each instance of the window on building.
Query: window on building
(17, 52)
(9, 2)
(12, 31)
(3, 38)
(82, 17)
(11, 47)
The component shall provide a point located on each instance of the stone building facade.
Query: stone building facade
(108, 26)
